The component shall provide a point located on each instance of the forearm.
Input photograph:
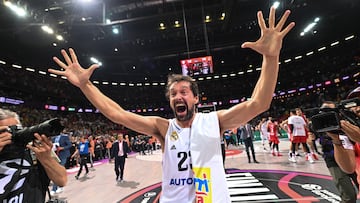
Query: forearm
(345, 158)
(265, 86)
(55, 171)
(105, 105)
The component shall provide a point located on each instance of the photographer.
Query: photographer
(347, 154)
(351, 130)
(26, 168)
(352, 162)
(332, 148)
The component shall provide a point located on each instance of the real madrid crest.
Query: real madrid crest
(174, 136)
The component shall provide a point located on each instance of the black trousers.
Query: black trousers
(249, 144)
(83, 162)
(119, 166)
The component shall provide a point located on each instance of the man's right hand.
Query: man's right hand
(5, 137)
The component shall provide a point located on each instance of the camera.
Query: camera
(22, 136)
(328, 119)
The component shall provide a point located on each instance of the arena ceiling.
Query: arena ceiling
(141, 50)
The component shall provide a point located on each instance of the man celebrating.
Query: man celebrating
(191, 141)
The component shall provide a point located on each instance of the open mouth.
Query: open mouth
(180, 108)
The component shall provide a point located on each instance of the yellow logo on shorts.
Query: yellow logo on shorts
(203, 185)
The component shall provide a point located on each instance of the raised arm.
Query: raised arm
(269, 45)
(80, 77)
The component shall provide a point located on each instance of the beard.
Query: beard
(189, 114)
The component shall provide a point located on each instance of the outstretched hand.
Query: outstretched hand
(270, 41)
(72, 70)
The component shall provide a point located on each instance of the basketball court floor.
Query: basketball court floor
(274, 179)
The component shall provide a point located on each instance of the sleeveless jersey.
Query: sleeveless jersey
(192, 163)
(273, 132)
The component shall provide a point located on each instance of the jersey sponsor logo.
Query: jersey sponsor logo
(202, 183)
(181, 181)
(173, 147)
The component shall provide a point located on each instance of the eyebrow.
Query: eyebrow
(182, 87)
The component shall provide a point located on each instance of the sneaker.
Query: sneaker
(315, 157)
(60, 189)
(77, 177)
(52, 193)
(273, 153)
(278, 154)
(311, 160)
(293, 159)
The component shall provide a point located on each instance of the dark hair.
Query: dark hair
(178, 78)
(293, 111)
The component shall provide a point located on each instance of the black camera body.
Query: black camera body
(22, 136)
(328, 119)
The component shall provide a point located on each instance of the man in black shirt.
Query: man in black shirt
(25, 171)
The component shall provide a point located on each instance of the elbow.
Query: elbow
(260, 107)
(347, 168)
(348, 171)
(62, 181)
(62, 178)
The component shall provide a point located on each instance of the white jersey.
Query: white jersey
(263, 129)
(298, 123)
(193, 170)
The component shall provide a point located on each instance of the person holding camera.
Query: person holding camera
(346, 144)
(353, 131)
(332, 147)
(26, 168)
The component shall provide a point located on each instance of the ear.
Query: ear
(196, 98)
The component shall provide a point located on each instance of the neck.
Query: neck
(186, 124)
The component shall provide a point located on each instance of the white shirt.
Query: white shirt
(299, 124)
(121, 151)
